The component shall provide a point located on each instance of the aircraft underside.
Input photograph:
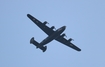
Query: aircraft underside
(52, 34)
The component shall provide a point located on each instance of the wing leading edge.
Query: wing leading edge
(67, 43)
(41, 25)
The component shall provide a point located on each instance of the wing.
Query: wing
(41, 25)
(67, 43)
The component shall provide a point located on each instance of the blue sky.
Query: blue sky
(85, 21)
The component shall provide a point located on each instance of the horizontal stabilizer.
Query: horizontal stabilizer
(32, 41)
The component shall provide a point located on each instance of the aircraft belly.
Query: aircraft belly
(50, 38)
(47, 40)
(53, 36)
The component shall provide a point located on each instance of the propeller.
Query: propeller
(45, 22)
(70, 39)
(63, 35)
(53, 27)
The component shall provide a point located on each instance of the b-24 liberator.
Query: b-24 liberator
(52, 35)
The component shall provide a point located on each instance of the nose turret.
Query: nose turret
(64, 27)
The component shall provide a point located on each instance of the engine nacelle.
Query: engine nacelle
(45, 22)
(63, 35)
(52, 27)
(70, 39)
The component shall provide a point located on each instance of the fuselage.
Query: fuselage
(53, 36)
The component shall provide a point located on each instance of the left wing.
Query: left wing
(45, 28)
(67, 43)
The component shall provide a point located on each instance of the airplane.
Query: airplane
(52, 35)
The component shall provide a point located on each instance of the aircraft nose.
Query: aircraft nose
(64, 26)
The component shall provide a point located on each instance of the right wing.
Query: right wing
(67, 43)
(41, 25)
